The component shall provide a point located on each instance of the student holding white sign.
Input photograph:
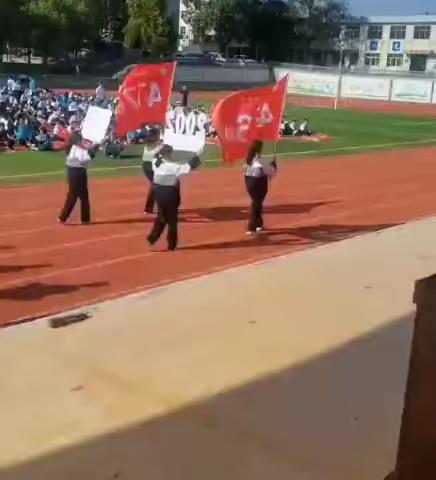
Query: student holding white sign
(79, 155)
(166, 187)
(185, 131)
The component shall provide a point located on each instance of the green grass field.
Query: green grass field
(353, 132)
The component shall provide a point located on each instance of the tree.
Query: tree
(14, 24)
(68, 23)
(148, 27)
(231, 22)
(318, 19)
(272, 32)
(202, 16)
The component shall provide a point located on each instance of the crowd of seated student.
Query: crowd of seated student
(293, 128)
(39, 119)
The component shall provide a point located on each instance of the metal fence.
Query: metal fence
(357, 70)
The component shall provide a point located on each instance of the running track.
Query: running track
(49, 268)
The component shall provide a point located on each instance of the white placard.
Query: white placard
(185, 143)
(96, 123)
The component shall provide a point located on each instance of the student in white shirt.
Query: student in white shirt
(100, 94)
(153, 144)
(10, 84)
(78, 157)
(257, 172)
(170, 117)
(166, 186)
(304, 128)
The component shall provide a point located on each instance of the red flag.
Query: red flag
(249, 115)
(144, 96)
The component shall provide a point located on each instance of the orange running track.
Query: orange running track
(47, 268)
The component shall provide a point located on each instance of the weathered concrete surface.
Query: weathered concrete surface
(294, 369)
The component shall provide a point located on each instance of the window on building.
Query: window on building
(372, 59)
(183, 31)
(398, 32)
(394, 60)
(375, 32)
(334, 33)
(352, 32)
(422, 32)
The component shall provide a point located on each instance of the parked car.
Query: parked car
(242, 59)
(194, 59)
(216, 57)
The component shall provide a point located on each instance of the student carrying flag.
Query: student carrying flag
(243, 121)
(144, 100)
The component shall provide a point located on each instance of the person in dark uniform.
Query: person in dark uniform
(153, 144)
(185, 96)
(166, 187)
(78, 157)
(257, 172)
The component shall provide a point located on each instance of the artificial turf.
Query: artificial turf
(352, 132)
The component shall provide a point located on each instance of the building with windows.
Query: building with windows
(177, 10)
(392, 43)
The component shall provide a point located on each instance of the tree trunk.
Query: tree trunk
(29, 56)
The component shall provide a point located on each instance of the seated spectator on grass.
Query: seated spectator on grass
(286, 129)
(24, 132)
(100, 95)
(17, 89)
(304, 129)
(10, 84)
(6, 140)
(113, 147)
(42, 142)
(32, 86)
(64, 102)
(31, 115)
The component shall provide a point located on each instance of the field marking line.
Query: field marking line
(406, 123)
(145, 290)
(60, 246)
(215, 160)
(223, 238)
(57, 172)
(101, 221)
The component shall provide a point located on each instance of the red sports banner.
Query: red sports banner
(144, 96)
(243, 117)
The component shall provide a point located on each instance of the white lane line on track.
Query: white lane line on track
(223, 238)
(215, 160)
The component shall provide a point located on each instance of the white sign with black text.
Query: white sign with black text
(186, 132)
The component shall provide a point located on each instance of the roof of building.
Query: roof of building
(403, 20)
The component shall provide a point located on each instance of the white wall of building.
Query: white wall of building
(176, 10)
(378, 53)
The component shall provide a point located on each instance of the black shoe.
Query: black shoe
(151, 241)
